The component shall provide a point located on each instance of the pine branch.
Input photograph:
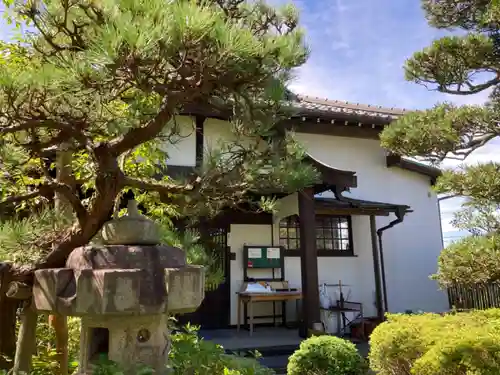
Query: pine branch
(50, 189)
(20, 198)
(140, 135)
(162, 188)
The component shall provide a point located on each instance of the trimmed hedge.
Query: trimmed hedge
(326, 355)
(431, 344)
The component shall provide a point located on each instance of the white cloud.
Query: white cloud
(358, 51)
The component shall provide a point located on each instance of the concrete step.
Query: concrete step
(277, 363)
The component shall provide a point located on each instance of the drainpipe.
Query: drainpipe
(400, 214)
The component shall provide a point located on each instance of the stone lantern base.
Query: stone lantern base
(128, 341)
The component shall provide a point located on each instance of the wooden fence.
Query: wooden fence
(480, 297)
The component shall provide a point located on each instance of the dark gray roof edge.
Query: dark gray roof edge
(393, 160)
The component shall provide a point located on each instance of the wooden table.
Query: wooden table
(249, 298)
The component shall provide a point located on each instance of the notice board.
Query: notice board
(263, 257)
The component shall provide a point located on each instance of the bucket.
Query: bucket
(329, 320)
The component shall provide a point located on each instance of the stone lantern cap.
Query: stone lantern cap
(122, 279)
(131, 229)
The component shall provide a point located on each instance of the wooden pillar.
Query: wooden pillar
(308, 261)
(376, 269)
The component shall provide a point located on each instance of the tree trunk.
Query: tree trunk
(109, 179)
(58, 322)
(26, 342)
(8, 310)
(60, 325)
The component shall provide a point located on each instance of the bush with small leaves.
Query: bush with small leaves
(45, 359)
(192, 355)
(189, 355)
(470, 261)
(431, 344)
(326, 355)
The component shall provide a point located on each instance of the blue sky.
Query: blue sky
(358, 48)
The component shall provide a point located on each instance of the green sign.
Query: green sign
(263, 257)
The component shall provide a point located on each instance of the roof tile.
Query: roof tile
(336, 106)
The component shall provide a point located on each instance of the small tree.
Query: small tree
(101, 83)
(465, 64)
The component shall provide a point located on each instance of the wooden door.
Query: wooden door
(214, 311)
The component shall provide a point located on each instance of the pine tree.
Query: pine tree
(467, 63)
(104, 82)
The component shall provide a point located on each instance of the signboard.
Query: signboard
(262, 257)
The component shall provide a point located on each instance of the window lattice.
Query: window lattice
(332, 233)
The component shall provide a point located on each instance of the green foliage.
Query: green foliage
(45, 360)
(465, 14)
(193, 355)
(22, 239)
(439, 132)
(480, 182)
(430, 344)
(196, 252)
(452, 60)
(326, 355)
(469, 261)
(478, 217)
(189, 355)
(108, 82)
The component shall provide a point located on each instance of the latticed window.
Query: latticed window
(333, 233)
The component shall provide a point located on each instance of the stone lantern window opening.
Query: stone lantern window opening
(143, 335)
(98, 343)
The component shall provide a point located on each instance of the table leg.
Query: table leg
(245, 314)
(283, 312)
(274, 313)
(250, 312)
(239, 314)
(339, 328)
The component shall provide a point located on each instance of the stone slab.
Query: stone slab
(118, 291)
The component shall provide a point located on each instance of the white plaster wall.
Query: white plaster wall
(215, 133)
(239, 236)
(182, 147)
(411, 248)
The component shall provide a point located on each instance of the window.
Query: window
(333, 234)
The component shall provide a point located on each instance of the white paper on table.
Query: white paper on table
(273, 253)
(257, 288)
(254, 253)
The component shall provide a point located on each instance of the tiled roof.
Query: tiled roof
(325, 106)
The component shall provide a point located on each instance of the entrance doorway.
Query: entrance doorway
(214, 311)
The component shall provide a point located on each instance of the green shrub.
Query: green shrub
(45, 359)
(472, 260)
(189, 355)
(431, 344)
(326, 355)
(192, 355)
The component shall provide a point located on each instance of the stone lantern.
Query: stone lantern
(123, 291)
